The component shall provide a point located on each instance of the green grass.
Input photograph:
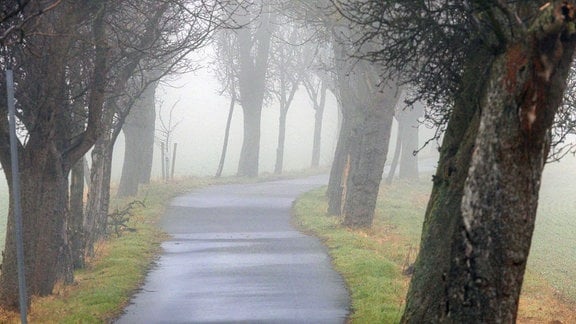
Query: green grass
(371, 261)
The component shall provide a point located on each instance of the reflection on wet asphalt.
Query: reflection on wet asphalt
(234, 257)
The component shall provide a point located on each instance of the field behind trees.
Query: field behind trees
(553, 252)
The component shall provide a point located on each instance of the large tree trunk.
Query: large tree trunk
(367, 105)
(254, 48)
(426, 299)
(501, 190)
(368, 151)
(480, 219)
(347, 106)
(250, 153)
(139, 134)
(338, 169)
(44, 187)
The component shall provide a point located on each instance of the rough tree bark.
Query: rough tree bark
(426, 295)
(44, 194)
(475, 275)
(97, 206)
(368, 152)
(335, 182)
(368, 109)
(47, 156)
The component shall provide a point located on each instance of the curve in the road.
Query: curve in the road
(234, 257)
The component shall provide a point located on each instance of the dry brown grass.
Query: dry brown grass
(540, 303)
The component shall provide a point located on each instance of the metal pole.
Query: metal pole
(16, 196)
(173, 160)
(163, 161)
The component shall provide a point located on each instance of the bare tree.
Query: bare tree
(254, 50)
(168, 31)
(48, 151)
(287, 65)
(78, 58)
(226, 70)
(367, 97)
(138, 129)
(317, 80)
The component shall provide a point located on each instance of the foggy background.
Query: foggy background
(200, 113)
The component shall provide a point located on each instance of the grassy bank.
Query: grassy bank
(372, 261)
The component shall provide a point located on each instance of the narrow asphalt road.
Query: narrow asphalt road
(234, 257)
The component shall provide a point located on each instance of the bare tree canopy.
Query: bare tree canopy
(79, 67)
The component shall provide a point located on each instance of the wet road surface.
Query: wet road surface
(235, 258)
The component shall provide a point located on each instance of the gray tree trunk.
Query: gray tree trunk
(368, 152)
(250, 153)
(97, 206)
(281, 141)
(46, 158)
(480, 219)
(226, 135)
(254, 48)
(367, 106)
(426, 299)
(338, 169)
(318, 118)
(139, 128)
(45, 234)
(285, 102)
(341, 162)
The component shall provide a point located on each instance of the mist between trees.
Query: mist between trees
(489, 76)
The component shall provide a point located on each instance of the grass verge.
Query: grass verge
(372, 261)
